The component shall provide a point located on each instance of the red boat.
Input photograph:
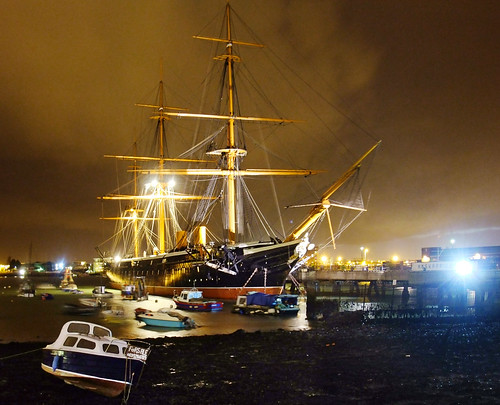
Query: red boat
(192, 300)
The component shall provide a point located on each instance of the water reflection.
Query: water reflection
(33, 319)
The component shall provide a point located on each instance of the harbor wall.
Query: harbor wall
(400, 294)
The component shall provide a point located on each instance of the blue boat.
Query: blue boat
(88, 356)
(164, 318)
(269, 304)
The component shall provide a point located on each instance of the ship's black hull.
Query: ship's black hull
(221, 275)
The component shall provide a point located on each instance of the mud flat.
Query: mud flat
(401, 362)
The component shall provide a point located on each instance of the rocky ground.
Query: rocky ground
(398, 362)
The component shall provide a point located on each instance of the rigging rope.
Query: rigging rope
(260, 216)
(202, 143)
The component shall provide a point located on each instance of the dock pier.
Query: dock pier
(401, 290)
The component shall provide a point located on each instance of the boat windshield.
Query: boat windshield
(98, 331)
(85, 329)
(77, 327)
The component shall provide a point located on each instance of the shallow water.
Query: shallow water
(35, 320)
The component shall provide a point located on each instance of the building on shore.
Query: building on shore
(489, 255)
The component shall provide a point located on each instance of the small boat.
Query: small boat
(74, 291)
(46, 286)
(165, 318)
(192, 300)
(83, 307)
(67, 283)
(115, 313)
(271, 304)
(77, 309)
(88, 356)
(135, 291)
(47, 297)
(92, 302)
(100, 292)
(27, 289)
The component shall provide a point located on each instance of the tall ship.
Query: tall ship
(212, 235)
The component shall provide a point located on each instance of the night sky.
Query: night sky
(422, 76)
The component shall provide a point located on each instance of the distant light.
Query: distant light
(426, 259)
(117, 258)
(171, 183)
(339, 259)
(477, 256)
(395, 258)
(324, 259)
(452, 241)
(463, 268)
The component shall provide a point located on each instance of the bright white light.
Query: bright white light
(117, 258)
(324, 259)
(463, 268)
(171, 183)
(152, 185)
(395, 258)
(22, 272)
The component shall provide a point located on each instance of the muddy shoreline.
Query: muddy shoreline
(398, 362)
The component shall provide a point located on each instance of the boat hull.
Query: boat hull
(263, 268)
(75, 309)
(152, 320)
(199, 306)
(100, 374)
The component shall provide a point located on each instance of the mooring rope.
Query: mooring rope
(20, 354)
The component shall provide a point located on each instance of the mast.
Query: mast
(135, 208)
(161, 206)
(161, 194)
(323, 204)
(231, 155)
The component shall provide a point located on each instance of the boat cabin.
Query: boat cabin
(188, 295)
(88, 336)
